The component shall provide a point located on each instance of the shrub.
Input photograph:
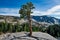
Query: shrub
(54, 30)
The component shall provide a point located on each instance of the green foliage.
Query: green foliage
(4, 28)
(42, 29)
(54, 30)
(1, 27)
(35, 29)
(25, 27)
(25, 10)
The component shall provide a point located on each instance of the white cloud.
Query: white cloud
(39, 13)
(14, 12)
(11, 14)
(9, 11)
(52, 11)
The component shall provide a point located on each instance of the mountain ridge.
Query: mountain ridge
(47, 19)
(44, 18)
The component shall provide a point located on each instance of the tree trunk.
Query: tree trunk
(30, 25)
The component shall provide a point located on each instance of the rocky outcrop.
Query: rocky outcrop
(43, 36)
(24, 36)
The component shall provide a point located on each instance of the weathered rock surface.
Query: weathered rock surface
(43, 36)
(24, 36)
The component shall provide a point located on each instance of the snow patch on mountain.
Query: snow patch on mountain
(46, 19)
(56, 21)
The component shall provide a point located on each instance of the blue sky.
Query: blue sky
(37, 3)
(42, 7)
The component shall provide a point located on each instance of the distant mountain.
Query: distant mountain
(46, 19)
(36, 20)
